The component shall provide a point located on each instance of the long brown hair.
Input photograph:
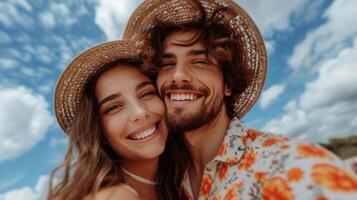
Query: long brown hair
(90, 163)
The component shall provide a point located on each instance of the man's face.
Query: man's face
(192, 87)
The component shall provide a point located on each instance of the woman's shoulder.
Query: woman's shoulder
(121, 191)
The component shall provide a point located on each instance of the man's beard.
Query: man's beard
(180, 122)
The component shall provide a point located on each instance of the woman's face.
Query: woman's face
(132, 113)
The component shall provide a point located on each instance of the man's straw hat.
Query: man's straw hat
(71, 84)
(152, 13)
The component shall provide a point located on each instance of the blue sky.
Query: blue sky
(310, 93)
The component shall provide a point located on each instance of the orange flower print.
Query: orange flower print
(333, 178)
(277, 188)
(231, 194)
(260, 175)
(222, 150)
(271, 141)
(239, 185)
(186, 194)
(206, 185)
(223, 170)
(311, 151)
(294, 174)
(251, 134)
(217, 197)
(244, 139)
(248, 160)
(321, 198)
(285, 146)
(232, 160)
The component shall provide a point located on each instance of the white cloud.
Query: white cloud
(337, 81)
(4, 38)
(10, 15)
(40, 52)
(39, 192)
(270, 44)
(275, 15)
(22, 4)
(6, 63)
(328, 39)
(270, 95)
(17, 54)
(328, 106)
(28, 71)
(47, 19)
(8, 182)
(24, 121)
(46, 88)
(62, 13)
(54, 142)
(112, 15)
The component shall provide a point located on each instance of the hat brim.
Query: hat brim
(71, 84)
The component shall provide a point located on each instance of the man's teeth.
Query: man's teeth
(143, 134)
(182, 97)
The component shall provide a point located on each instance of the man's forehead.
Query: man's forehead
(173, 49)
(183, 40)
(180, 37)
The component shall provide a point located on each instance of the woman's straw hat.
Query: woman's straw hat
(152, 13)
(71, 84)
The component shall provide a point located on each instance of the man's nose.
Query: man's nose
(181, 74)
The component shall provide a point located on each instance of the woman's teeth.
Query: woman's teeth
(143, 134)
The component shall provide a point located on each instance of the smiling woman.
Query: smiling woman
(117, 131)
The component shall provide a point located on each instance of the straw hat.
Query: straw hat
(71, 84)
(179, 12)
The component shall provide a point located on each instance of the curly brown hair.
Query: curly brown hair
(221, 46)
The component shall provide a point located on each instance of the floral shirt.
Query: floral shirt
(256, 165)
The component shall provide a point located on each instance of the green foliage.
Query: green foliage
(343, 147)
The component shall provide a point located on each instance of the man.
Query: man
(212, 66)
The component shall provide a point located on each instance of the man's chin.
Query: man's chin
(186, 119)
(184, 122)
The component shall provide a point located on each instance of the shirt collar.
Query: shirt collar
(233, 146)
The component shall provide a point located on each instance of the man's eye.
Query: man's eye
(113, 108)
(204, 62)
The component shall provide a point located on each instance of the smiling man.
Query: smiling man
(211, 62)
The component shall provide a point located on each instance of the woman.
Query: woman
(117, 130)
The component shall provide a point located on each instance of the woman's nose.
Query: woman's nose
(139, 112)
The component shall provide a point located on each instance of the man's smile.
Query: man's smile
(180, 97)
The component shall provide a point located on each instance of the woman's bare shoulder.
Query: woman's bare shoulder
(120, 191)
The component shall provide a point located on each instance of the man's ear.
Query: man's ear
(227, 90)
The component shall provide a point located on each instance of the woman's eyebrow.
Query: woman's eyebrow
(116, 95)
(109, 98)
(142, 84)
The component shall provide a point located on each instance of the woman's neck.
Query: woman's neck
(145, 169)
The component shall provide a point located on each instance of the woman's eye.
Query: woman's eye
(149, 94)
(113, 108)
(167, 64)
